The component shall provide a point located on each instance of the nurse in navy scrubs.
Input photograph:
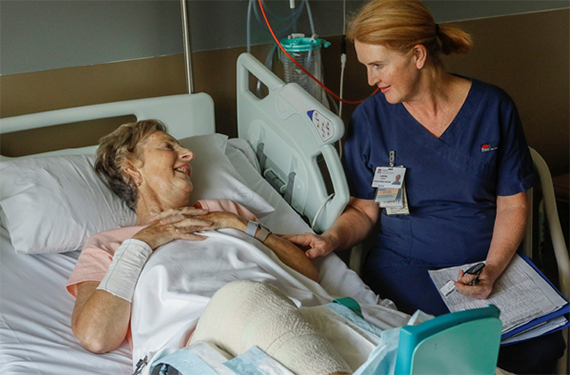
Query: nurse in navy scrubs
(467, 167)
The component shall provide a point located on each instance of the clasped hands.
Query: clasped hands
(183, 223)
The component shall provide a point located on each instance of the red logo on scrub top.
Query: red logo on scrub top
(487, 147)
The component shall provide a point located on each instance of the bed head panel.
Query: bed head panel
(289, 129)
(185, 115)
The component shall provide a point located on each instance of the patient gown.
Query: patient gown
(452, 183)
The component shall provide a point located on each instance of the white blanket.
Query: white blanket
(181, 277)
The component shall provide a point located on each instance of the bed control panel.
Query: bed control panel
(323, 125)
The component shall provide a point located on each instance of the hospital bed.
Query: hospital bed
(52, 202)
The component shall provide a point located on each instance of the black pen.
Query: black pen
(475, 270)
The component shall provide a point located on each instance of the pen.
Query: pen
(475, 270)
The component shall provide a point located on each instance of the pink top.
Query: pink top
(98, 252)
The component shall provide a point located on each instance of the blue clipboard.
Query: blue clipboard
(564, 310)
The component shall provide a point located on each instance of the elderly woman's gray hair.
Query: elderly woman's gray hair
(118, 147)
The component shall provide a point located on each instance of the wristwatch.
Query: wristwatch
(253, 226)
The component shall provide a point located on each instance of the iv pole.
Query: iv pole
(187, 47)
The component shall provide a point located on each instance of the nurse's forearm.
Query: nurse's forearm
(512, 213)
(354, 225)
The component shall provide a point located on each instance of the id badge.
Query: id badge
(386, 195)
(403, 208)
(389, 177)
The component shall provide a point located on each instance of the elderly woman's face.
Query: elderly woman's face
(164, 168)
(394, 73)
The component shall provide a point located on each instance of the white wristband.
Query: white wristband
(252, 227)
(124, 270)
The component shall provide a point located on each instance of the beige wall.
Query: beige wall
(527, 55)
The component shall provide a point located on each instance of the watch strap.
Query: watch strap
(262, 233)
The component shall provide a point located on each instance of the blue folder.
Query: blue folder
(564, 310)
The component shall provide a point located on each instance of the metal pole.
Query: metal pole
(187, 47)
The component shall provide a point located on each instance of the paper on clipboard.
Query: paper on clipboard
(520, 293)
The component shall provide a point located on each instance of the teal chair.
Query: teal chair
(463, 342)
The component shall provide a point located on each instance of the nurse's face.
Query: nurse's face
(397, 75)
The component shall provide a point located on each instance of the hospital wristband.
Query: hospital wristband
(252, 230)
(124, 270)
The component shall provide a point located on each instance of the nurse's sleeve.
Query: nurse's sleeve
(356, 159)
(515, 172)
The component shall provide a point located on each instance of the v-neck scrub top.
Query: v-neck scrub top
(452, 182)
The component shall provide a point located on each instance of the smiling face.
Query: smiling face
(397, 75)
(163, 170)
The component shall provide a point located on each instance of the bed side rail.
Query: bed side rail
(185, 115)
(289, 130)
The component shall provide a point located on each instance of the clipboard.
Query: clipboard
(563, 311)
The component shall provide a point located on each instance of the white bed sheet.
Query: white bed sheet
(35, 318)
(35, 309)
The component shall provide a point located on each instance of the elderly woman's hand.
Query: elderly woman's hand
(187, 217)
(190, 220)
(157, 234)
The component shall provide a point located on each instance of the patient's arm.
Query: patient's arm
(100, 320)
(286, 251)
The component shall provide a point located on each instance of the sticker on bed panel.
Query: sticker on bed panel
(324, 126)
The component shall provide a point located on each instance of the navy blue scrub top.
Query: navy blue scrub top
(452, 181)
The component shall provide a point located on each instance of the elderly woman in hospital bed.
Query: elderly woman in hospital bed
(151, 171)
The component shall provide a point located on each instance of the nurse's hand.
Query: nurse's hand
(481, 290)
(313, 245)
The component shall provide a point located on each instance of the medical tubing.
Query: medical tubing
(302, 68)
(293, 16)
(292, 8)
(320, 209)
(251, 5)
(310, 14)
(283, 30)
(248, 28)
(342, 67)
(123, 274)
(269, 65)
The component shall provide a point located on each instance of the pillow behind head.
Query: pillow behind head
(54, 204)
(214, 176)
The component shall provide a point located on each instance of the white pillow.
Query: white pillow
(214, 176)
(54, 204)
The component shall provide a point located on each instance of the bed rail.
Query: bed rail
(185, 115)
(289, 130)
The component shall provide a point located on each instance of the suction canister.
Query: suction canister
(307, 52)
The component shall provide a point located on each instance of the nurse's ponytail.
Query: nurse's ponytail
(402, 24)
